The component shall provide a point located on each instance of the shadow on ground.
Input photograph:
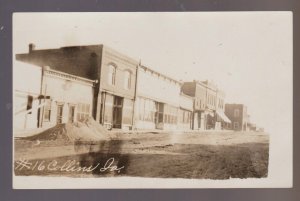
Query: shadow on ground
(106, 159)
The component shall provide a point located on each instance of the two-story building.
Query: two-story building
(117, 89)
(197, 90)
(209, 102)
(222, 121)
(237, 113)
(113, 76)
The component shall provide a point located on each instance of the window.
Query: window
(236, 125)
(170, 114)
(47, 110)
(236, 112)
(83, 111)
(184, 116)
(127, 111)
(108, 108)
(111, 74)
(146, 110)
(127, 80)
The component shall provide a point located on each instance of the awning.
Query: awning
(223, 116)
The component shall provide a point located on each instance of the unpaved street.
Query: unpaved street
(213, 155)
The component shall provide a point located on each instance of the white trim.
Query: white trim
(67, 76)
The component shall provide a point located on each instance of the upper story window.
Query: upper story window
(127, 80)
(112, 74)
(236, 112)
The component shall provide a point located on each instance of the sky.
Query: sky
(247, 54)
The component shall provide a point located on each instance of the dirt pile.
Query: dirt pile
(89, 130)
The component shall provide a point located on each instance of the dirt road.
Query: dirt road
(213, 155)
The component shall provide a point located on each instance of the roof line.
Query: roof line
(170, 78)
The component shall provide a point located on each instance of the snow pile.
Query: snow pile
(89, 130)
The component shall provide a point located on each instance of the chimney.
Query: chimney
(31, 47)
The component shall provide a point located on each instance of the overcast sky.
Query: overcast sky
(248, 55)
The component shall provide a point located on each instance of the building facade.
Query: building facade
(211, 104)
(157, 100)
(60, 100)
(186, 104)
(208, 112)
(117, 88)
(237, 113)
(222, 121)
(197, 90)
(55, 99)
(27, 87)
(114, 75)
(72, 83)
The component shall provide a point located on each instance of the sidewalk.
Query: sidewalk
(158, 131)
(30, 132)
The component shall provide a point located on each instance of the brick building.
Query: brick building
(113, 74)
(237, 113)
(208, 112)
(197, 90)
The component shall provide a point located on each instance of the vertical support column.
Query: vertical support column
(95, 100)
(135, 96)
(39, 113)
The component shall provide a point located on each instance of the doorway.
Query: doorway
(59, 114)
(159, 116)
(117, 112)
(71, 114)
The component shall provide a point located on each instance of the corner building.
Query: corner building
(113, 76)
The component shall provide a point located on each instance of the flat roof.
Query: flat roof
(160, 74)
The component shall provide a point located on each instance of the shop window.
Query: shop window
(83, 111)
(127, 111)
(108, 111)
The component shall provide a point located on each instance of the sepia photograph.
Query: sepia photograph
(152, 100)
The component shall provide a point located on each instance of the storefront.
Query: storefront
(57, 100)
(157, 101)
(116, 112)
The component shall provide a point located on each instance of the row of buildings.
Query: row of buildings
(69, 84)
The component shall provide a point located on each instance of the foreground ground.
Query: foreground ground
(213, 155)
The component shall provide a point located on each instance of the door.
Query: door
(159, 116)
(117, 112)
(71, 114)
(59, 114)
